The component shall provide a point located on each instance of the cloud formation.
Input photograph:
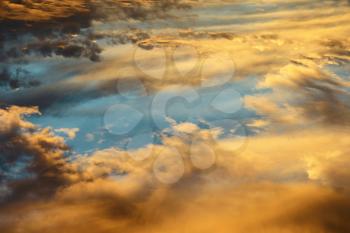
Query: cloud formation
(110, 190)
(304, 93)
(32, 158)
(28, 22)
(291, 176)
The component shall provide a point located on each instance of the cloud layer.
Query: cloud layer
(110, 190)
(290, 173)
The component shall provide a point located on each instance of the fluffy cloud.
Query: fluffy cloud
(111, 190)
(302, 94)
(32, 158)
(71, 133)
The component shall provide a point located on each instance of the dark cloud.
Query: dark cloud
(63, 45)
(48, 39)
(20, 78)
(66, 47)
(44, 29)
(57, 96)
(40, 152)
(337, 51)
(327, 100)
(55, 22)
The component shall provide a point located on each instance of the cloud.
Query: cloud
(32, 10)
(138, 10)
(329, 168)
(291, 180)
(36, 152)
(71, 133)
(25, 24)
(186, 128)
(295, 155)
(305, 208)
(17, 79)
(111, 190)
(260, 43)
(303, 94)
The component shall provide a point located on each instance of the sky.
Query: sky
(175, 116)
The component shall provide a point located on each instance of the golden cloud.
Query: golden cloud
(295, 181)
(34, 10)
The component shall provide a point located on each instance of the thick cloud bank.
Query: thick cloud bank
(299, 181)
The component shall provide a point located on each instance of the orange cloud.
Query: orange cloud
(279, 183)
(33, 10)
